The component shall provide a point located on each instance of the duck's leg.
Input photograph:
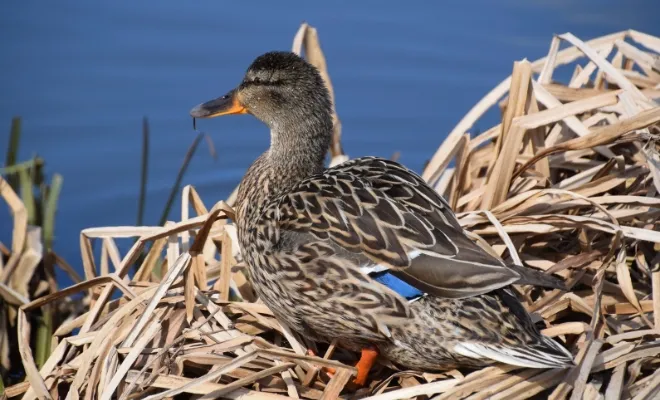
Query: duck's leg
(367, 359)
(328, 370)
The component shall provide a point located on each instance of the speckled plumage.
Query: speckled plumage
(312, 236)
(494, 320)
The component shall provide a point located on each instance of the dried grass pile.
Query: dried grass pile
(568, 182)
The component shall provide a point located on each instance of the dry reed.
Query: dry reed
(568, 183)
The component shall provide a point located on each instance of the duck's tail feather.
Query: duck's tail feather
(545, 354)
(538, 351)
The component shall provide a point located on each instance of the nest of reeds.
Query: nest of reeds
(567, 183)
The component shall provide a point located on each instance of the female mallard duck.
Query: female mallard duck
(366, 252)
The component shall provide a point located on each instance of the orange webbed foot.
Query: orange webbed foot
(327, 370)
(367, 360)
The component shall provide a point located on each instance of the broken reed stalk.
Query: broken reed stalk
(307, 40)
(567, 183)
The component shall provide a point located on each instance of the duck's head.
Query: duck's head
(280, 89)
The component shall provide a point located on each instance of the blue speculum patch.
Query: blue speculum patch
(396, 284)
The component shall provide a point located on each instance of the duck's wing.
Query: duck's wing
(379, 209)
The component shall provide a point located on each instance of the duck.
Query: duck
(366, 254)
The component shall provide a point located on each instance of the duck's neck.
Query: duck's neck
(297, 151)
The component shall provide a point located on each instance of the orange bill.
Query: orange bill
(225, 105)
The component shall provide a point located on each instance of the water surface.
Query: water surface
(83, 74)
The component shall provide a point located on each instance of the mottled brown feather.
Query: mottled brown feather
(385, 211)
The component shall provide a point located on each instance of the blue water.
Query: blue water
(83, 74)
